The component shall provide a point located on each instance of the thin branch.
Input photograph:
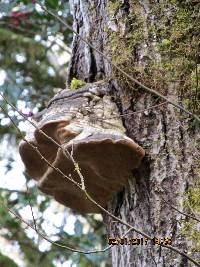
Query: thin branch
(173, 207)
(46, 237)
(12, 26)
(76, 167)
(135, 112)
(29, 201)
(197, 84)
(181, 212)
(146, 88)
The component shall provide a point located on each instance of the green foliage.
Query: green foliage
(31, 74)
(6, 261)
(78, 228)
(25, 49)
(75, 84)
(52, 3)
(24, 56)
(88, 241)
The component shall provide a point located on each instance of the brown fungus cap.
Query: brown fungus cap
(105, 155)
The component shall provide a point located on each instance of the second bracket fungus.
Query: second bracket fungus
(87, 124)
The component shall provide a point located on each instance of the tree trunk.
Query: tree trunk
(157, 43)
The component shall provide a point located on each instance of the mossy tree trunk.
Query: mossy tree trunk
(157, 43)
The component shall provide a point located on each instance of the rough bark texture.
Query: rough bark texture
(129, 32)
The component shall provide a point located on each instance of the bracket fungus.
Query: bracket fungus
(87, 124)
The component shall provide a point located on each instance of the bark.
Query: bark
(128, 32)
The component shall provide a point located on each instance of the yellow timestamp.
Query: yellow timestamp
(139, 241)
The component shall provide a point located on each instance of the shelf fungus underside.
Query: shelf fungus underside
(86, 123)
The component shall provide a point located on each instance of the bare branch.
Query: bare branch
(29, 201)
(44, 236)
(181, 212)
(136, 112)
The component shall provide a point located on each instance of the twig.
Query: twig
(181, 212)
(47, 238)
(135, 112)
(173, 207)
(197, 85)
(29, 201)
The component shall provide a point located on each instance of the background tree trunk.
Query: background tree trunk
(152, 41)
